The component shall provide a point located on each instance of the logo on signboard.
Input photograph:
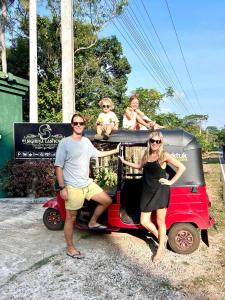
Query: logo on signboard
(44, 139)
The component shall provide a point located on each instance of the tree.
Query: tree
(169, 120)
(221, 137)
(195, 119)
(101, 71)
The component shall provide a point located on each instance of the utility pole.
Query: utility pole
(67, 42)
(33, 61)
(2, 36)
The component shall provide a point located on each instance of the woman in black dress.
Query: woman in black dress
(156, 190)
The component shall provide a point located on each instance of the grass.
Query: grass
(166, 285)
(42, 262)
(214, 187)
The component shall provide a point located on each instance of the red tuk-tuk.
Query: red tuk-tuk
(188, 212)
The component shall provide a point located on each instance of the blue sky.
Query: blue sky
(200, 26)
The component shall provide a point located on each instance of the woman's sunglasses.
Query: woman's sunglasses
(152, 141)
(106, 106)
(78, 123)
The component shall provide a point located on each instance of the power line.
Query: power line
(165, 52)
(158, 62)
(194, 90)
(157, 69)
(134, 31)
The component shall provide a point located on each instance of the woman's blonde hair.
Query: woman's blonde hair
(108, 100)
(148, 151)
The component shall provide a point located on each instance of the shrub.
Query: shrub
(30, 177)
(105, 177)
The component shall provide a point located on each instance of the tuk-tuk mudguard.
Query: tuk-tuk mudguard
(57, 203)
(189, 217)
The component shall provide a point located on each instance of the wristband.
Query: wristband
(61, 188)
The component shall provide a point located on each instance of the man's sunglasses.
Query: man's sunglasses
(152, 141)
(106, 106)
(78, 123)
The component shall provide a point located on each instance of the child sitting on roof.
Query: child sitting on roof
(107, 120)
(134, 119)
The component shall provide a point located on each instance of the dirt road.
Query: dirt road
(117, 266)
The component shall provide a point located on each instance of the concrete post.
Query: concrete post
(33, 61)
(67, 41)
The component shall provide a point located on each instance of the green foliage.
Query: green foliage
(221, 137)
(105, 177)
(30, 177)
(169, 120)
(100, 71)
(49, 100)
(195, 118)
(18, 58)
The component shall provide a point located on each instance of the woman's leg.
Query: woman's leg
(146, 222)
(160, 219)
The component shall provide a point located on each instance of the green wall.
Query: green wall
(12, 91)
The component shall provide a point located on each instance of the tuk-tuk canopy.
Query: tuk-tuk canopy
(172, 137)
(181, 144)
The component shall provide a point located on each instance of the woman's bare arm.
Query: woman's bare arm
(130, 164)
(180, 168)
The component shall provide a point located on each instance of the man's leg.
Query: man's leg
(104, 201)
(68, 230)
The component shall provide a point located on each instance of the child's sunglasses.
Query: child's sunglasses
(106, 106)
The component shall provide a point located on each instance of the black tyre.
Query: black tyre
(183, 238)
(52, 219)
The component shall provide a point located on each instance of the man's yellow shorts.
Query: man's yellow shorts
(76, 196)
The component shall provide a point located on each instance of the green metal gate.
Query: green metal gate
(12, 91)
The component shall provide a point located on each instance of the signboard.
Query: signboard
(38, 140)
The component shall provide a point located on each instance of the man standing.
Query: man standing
(72, 171)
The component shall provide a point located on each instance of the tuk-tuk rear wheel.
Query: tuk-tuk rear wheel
(183, 238)
(52, 219)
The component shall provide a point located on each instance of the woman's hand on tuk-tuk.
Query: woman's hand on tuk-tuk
(165, 181)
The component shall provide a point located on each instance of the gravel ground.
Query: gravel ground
(117, 266)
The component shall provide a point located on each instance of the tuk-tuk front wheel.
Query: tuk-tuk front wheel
(52, 219)
(183, 238)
